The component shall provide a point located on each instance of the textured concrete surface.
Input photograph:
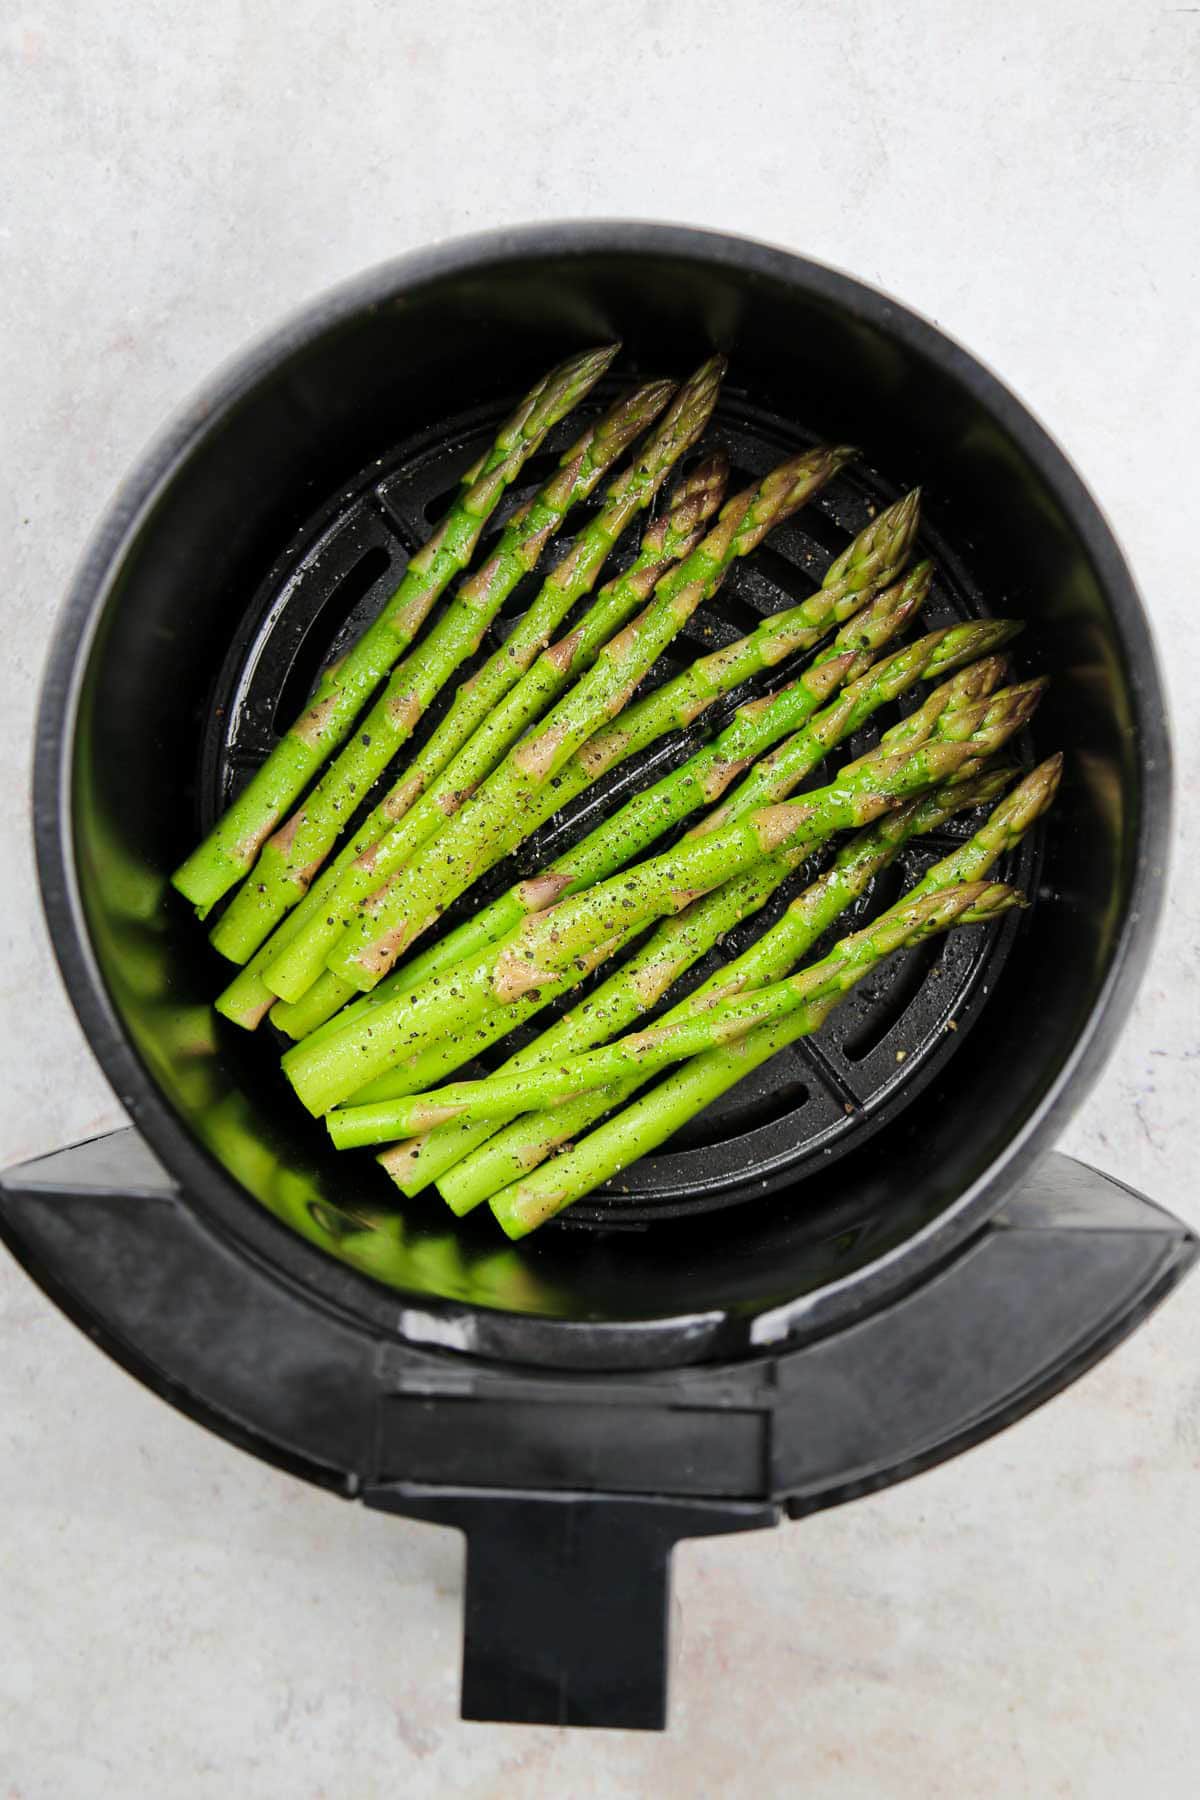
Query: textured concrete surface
(180, 1621)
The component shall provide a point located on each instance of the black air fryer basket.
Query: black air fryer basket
(861, 1260)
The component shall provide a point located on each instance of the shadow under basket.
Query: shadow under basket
(856, 1264)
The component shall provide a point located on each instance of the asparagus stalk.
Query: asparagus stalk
(556, 1184)
(329, 1071)
(873, 560)
(649, 814)
(672, 538)
(474, 838)
(230, 848)
(453, 1016)
(640, 983)
(548, 941)
(704, 920)
(643, 1053)
(653, 1119)
(292, 856)
(705, 777)
(497, 1158)
(938, 651)
(248, 999)
(676, 944)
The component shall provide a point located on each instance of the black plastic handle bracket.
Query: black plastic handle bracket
(573, 1487)
(566, 1615)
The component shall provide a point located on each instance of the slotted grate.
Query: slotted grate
(891, 1036)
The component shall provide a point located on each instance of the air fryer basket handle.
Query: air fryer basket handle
(566, 1610)
(568, 1590)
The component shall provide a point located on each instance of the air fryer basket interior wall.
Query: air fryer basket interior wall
(454, 334)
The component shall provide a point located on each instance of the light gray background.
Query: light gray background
(176, 1620)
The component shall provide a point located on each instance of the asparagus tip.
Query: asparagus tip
(997, 897)
(963, 792)
(975, 682)
(699, 391)
(913, 588)
(591, 362)
(902, 512)
(652, 394)
(1025, 697)
(971, 903)
(906, 595)
(1031, 798)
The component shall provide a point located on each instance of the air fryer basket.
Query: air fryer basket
(276, 518)
(858, 1263)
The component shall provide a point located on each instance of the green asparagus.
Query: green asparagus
(527, 1204)
(473, 839)
(470, 1163)
(455, 1014)
(247, 999)
(706, 919)
(328, 1072)
(643, 1053)
(290, 859)
(667, 542)
(652, 812)
(871, 561)
(641, 1127)
(548, 941)
(230, 848)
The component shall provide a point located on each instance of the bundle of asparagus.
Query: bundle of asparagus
(231, 847)
(467, 1175)
(378, 1033)
(495, 817)
(871, 559)
(937, 652)
(301, 845)
(642, 1053)
(568, 940)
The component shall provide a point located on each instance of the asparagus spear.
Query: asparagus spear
(665, 543)
(231, 847)
(291, 857)
(641, 982)
(873, 560)
(566, 1178)
(473, 839)
(456, 1014)
(329, 1071)
(651, 813)
(643, 1053)
(497, 1158)
(702, 923)
(548, 941)
(676, 944)
(641, 1127)
(248, 999)
(704, 920)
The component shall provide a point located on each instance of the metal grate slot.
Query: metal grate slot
(766, 1096)
(325, 631)
(769, 583)
(889, 999)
